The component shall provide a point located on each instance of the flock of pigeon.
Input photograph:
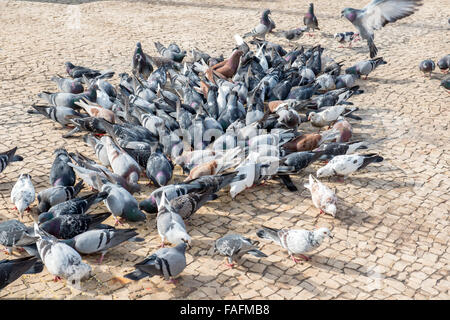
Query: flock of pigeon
(427, 67)
(226, 122)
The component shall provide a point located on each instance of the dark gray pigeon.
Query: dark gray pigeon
(11, 270)
(376, 15)
(69, 226)
(444, 63)
(165, 262)
(7, 157)
(79, 71)
(427, 67)
(61, 174)
(234, 246)
(52, 196)
(310, 19)
(186, 205)
(75, 206)
(159, 169)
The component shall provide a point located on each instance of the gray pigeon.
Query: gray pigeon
(14, 233)
(99, 148)
(171, 228)
(235, 246)
(376, 15)
(165, 262)
(52, 196)
(68, 85)
(60, 259)
(295, 241)
(93, 241)
(310, 19)
(7, 157)
(61, 115)
(262, 28)
(122, 204)
(444, 63)
(11, 270)
(159, 168)
(61, 174)
(427, 66)
(23, 194)
(64, 99)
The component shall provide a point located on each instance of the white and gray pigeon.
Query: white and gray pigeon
(121, 162)
(296, 242)
(376, 15)
(14, 234)
(101, 240)
(60, 259)
(234, 246)
(344, 165)
(7, 157)
(326, 117)
(364, 68)
(165, 262)
(23, 194)
(262, 28)
(322, 197)
(170, 225)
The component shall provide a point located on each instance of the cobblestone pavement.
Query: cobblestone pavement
(391, 230)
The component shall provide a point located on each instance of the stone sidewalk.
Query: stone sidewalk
(391, 230)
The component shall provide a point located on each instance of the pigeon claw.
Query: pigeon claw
(230, 265)
(56, 279)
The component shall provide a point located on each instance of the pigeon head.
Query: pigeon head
(321, 233)
(349, 13)
(25, 176)
(134, 214)
(178, 235)
(69, 66)
(45, 216)
(330, 207)
(149, 205)
(265, 17)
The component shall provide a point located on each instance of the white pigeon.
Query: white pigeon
(327, 116)
(248, 167)
(60, 259)
(23, 194)
(295, 241)
(326, 81)
(344, 165)
(170, 225)
(322, 197)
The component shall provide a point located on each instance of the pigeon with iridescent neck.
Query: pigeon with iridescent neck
(376, 15)
(61, 174)
(310, 19)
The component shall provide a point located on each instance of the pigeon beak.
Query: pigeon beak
(330, 235)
